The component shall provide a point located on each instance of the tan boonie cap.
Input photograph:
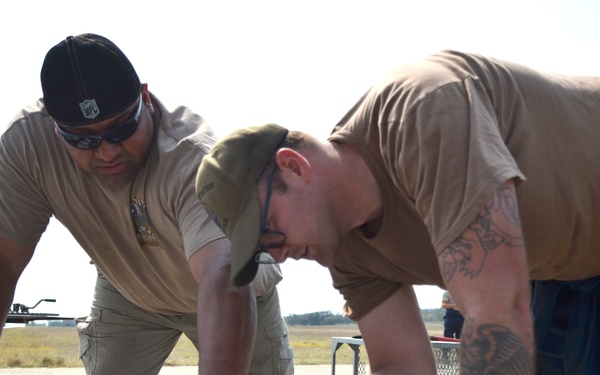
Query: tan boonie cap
(226, 187)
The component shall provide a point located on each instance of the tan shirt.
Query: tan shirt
(140, 237)
(440, 136)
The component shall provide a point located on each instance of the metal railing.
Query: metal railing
(446, 355)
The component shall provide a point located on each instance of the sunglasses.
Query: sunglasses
(114, 135)
(269, 238)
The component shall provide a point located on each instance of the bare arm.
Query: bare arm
(226, 314)
(395, 336)
(446, 303)
(13, 259)
(486, 272)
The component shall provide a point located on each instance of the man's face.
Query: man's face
(116, 164)
(305, 222)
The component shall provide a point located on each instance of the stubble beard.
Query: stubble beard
(117, 181)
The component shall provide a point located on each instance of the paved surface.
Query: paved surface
(179, 370)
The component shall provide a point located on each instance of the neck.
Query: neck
(362, 199)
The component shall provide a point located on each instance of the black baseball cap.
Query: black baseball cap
(87, 79)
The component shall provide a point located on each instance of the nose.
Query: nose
(108, 151)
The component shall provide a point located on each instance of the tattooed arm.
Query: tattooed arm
(486, 272)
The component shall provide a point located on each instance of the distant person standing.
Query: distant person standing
(453, 320)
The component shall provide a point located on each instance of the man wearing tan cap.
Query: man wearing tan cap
(117, 166)
(462, 171)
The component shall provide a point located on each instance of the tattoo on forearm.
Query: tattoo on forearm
(493, 349)
(497, 223)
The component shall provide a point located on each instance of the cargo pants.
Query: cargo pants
(119, 337)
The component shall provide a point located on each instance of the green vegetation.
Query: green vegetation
(326, 318)
(321, 318)
(433, 315)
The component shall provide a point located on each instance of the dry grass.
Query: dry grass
(39, 347)
(58, 346)
(312, 344)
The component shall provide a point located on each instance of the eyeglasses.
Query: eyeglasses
(269, 239)
(114, 135)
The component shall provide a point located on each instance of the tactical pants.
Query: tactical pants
(119, 337)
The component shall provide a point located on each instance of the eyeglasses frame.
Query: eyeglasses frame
(262, 256)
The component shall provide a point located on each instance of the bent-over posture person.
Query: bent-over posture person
(462, 171)
(117, 166)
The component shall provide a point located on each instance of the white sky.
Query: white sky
(301, 64)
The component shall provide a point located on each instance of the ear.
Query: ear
(293, 164)
(69, 148)
(145, 92)
(146, 98)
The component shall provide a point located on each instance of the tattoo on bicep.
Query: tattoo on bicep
(493, 349)
(496, 224)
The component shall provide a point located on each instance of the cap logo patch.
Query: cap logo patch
(89, 108)
(205, 189)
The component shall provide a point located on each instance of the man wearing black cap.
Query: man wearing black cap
(117, 167)
(458, 170)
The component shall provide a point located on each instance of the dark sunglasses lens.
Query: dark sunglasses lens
(122, 132)
(84, 143)
(90, 142)
(117, 135)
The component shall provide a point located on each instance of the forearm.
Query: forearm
(448, 306)
(226, 330)
(393, 353)
(226, 314)
(13, 259)
(497, 340)
(486, 272)
(7, 292)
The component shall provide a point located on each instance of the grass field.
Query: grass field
(58, 346)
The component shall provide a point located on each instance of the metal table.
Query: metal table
(446, 355)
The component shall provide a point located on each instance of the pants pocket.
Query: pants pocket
(86, 330)
(277, 334)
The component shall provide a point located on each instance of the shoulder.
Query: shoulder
(183, 138)
(180, 128)
(419, 78)
(401, 91)
(32, 117)
(31, 131)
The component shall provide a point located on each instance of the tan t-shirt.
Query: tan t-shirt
(139, 237)
(440, 136)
